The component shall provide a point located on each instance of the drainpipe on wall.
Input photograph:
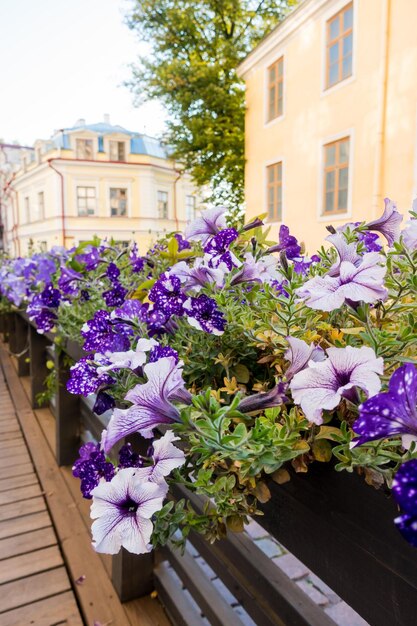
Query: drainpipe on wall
(16, 222)
(60, 174)
(380, 148)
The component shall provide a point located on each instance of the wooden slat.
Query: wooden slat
(27, 542)
(146, 611)
(60, 610)
(18, 509)
(14, 434)
(13, 451)
(32, 588)
(22, 493)
(9, 426)
(5, 444)
(28, 523)
(31, 563)
(18, 470)
(96, 596)
(19, 459)
(178, 606)
(18, 481)
(212, 604)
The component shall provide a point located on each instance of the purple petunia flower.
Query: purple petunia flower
(200, 274)
(137, 263)
(167, 296)
(287, 243)
(203, 314)
(115, 296)
(209, 223)
(404, 489)
(217, 251)
(393, 412)
(165, 457)
(347, 253)
(322, 384)
(410, 235)
(389, 222)
(101, 335)
(69, 281)
(370, 241)
(159, 352)
(265, 400)
(363, 283)
(151, 403)
(263, 270)
(85, 378)
(50, 297)
(131, 359)
(122, 509)
(43, 316)
(113, 273)
(183, 244)
(90, 467)
(90, 258)
(104, 402)
(299, 354)
(128, 457)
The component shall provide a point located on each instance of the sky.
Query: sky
(62, 60)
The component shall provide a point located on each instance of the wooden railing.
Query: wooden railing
(333, 522)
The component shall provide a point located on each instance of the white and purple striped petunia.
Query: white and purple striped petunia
(299, 354)
(323, 384)
(152, 403)
(122, 510)
(393, 412)
(389, 222)
(209, 223)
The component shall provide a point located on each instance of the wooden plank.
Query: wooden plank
(23, 565)
(177, 605)
(25, 524)
(19, 470)
(96, 596)
(38, 369)
(12, 435)
(7, 443)
(146, 611)
(28, 542)
(24, 507)
(20, 459)
(212, 604)
(47, 423)
(60, 610)
(22, 493)
(9, 426)
(13, 451)
(18, 481)
(32, 588)
(67, 417)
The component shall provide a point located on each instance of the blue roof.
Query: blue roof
(139, 143)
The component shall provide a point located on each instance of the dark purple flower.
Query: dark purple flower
(69, 281)
(183, 244)
(404, 489)
(101, 334)
(389, 222)
(84, 295)
(104, 402)
(43, 317)
(254, 224)
(91, 467)
(137, 262)
(203, 314)
(167, 296)
(85, 379)
(279, 287)
(220, 243)
(131, 311)
(50, 297)
(113, 272)
(115, 296)
(128, 457)
(287, 243)
(159, 352)
(90, 258)
(393, 412)
(369, 241)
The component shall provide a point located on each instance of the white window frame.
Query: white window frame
(266, 164)
(271, 60)
(163, 190)
(86, 185)
(119, 184)
(335, 217)
(331, 11)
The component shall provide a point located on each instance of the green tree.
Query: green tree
(195, 50)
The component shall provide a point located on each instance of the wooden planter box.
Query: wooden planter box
(343, 530)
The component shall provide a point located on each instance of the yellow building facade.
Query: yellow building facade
(331, 123)
(95, 179)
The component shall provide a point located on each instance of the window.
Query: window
(86, 201)
(339, 46)
(117, 151)
(275, 89)
(27, 209)
(163, 204)
(190, 204)
(84, 148)
(41, 205)
(118, 201)
(274, 192)
(336, 176)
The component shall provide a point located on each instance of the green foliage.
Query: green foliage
(196, 48)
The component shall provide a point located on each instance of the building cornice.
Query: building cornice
(280, 33)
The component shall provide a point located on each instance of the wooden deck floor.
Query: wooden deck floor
(49, 573)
